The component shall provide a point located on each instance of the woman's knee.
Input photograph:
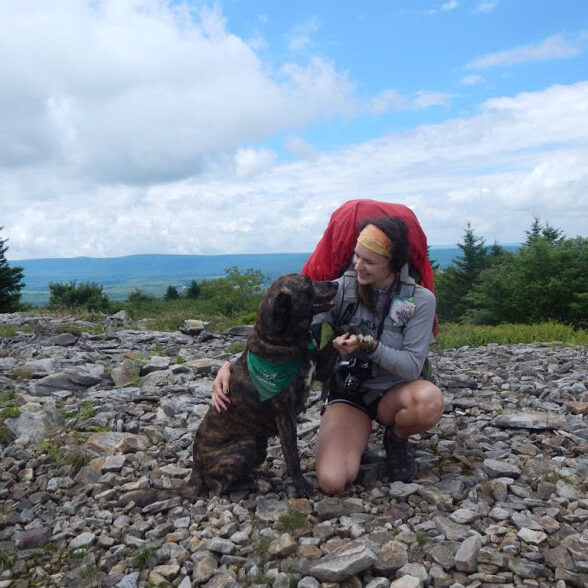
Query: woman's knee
(432, 404)
(331, 481)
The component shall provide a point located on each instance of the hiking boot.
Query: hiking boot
(370, 455)
(373, 467)
(400, 459)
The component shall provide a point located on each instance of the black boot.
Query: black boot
(399, 457)
(372, 468)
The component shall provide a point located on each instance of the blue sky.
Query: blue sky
(145, 126)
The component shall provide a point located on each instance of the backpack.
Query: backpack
(334, 250)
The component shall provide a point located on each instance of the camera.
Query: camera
(352, 373)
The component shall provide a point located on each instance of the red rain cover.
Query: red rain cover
(334, 251)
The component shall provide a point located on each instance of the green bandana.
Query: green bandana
(271, 378)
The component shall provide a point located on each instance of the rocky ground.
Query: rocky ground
(88, 414)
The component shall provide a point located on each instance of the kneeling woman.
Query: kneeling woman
(394, 319)
(398, 315)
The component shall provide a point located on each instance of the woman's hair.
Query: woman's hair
(396, 231)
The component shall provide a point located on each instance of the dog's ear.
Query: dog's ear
(282, 310)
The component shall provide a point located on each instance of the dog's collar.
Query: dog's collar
(271, 378)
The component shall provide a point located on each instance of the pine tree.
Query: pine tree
(474, 257)
(10, 281)
(454, 283)
(193, 290)
(543, 231)
(171, 293)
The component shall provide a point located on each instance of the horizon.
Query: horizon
(199, 126)
(246, 253)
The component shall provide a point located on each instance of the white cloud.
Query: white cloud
(420, 100)
(472, 79)
(139, 131)
(301, 37)
(138, 92)
(450, 5)
(555, 47)
(485, 7)
(301, 149)
(424, 99)
(250, 162)
(519, 157)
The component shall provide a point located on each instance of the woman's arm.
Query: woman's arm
(407, 362)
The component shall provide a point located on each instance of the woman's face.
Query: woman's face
(372, 269)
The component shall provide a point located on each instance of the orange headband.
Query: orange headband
(375, 240)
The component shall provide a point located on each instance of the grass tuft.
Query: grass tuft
(453, 335)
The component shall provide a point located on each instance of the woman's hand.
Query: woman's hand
(220, 388)
(346, 343)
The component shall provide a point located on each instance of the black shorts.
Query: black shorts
(357, 400)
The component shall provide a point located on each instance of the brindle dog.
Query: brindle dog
(229, 445)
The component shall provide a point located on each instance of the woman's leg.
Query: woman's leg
(406, 409)
(343, 435)
(411, 408)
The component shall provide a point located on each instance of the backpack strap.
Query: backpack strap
(349, 299)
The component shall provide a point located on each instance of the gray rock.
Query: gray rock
(344, 562)
(466, 558)
(497, 468)
(529, 420)
(520, 489)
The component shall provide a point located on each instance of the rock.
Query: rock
(392, 556)
(466, 558)
(500, 497)
(193, 327)
(344, 562)
(113, 442)
(530, 420)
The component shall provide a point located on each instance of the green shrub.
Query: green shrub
(88, 295)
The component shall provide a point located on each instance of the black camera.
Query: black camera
(352, 373)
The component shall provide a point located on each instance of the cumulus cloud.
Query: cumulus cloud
(554, 47)
(141, 131)
(518, 157)
(141, 92)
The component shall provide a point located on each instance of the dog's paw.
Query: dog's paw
(304, 489)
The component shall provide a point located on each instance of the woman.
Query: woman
(390, 322)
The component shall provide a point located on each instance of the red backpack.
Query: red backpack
(334, 251)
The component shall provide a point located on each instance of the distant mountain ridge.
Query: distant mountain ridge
(153, 273)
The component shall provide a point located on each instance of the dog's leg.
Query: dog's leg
(286, 421)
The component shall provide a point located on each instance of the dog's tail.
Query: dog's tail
(191, 490)
(147, 496)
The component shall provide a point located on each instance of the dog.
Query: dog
(229, 445)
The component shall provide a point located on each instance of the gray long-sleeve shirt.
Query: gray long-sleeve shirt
(406, 334)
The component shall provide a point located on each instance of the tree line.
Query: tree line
(545, 279)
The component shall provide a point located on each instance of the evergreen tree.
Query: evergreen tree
(193, 290)
(10, 281)
(474, 257)
(543, 231)
(454, 283)
(547, 279)
(171, 293)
